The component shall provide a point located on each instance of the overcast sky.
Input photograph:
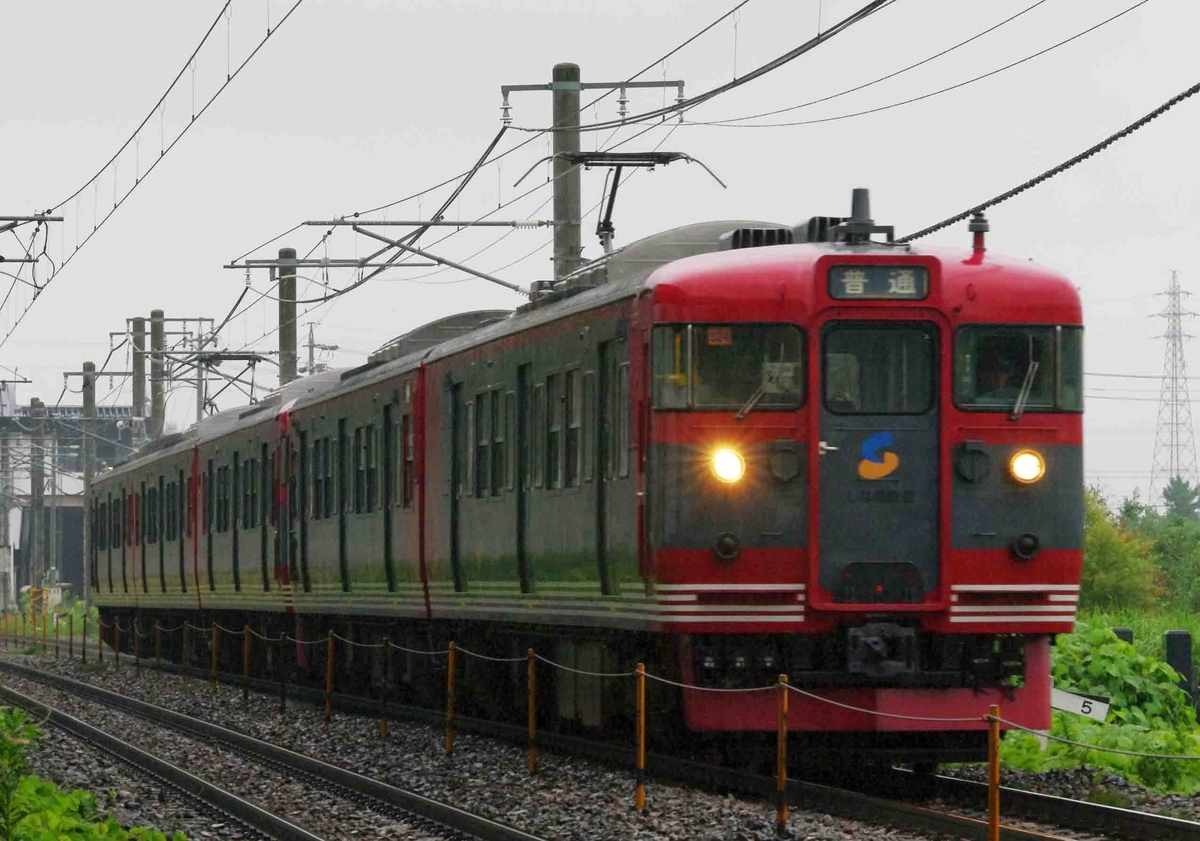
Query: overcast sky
(355, 103)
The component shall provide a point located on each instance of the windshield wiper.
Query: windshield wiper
(751, 403)
(1018, 408)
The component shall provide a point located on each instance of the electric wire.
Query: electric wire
(153, 164)
(855, 17)
(1062, 167)
(924, 96)
(879, 80)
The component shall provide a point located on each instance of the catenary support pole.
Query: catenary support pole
(158, 343)
(37, 489)
(568, 250)
(89, 475)
(287, 315)
(139, 378)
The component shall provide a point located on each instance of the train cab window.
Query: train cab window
(879, 369)
(994, 364)
(728, 366)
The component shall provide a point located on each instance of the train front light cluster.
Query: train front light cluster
(728, 465)
(1027, 466)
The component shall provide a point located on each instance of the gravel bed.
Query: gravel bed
(326, 814)
(569, 798)
(1098, 786)
(132, 798)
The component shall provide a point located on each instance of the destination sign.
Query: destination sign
(878, 282)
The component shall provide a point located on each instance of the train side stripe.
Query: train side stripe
(1015, 588)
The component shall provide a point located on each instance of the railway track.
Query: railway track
(433, 818)
(897, 808)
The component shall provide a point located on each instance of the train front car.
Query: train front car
(865, 472)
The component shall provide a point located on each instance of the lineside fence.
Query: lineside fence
(17, 631)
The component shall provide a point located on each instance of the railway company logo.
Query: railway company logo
(877, 460)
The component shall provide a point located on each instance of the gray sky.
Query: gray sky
(355, 103)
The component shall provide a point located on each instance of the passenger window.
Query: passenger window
(496, 470)
(554, 425)
(539, 435)
(879, 369)
(587, 444)
(573, 409)
(623, 411)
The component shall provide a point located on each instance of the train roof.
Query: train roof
(692, 257)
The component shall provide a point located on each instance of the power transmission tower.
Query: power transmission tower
(1174, 441)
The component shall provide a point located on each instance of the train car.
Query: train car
(729, 451)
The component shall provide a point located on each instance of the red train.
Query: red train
(729, 450)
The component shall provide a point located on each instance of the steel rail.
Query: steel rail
(1064, 813)
(443, 816)
(217, 798)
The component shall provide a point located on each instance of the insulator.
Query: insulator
(622, 104)
(247, 275)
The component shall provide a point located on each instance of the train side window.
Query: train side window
(209, 511)
(407, 463)
(371, 467)
(539, 435)
(510, 437)
(483, 434)
(191, 506)
(101, 526)
(587, 430)
(554, 427)
(359, 479)
(469, 455)
(624, 408)
(496, 468)
(669, 349)
(573, 411)
(318, 479)
(327, 461)
(1070, 372)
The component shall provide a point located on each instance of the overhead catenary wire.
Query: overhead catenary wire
(1057, 170)
(880, 79)
(155, 162)
(929, 95)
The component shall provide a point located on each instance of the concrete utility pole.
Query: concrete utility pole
(139, 376)
(37, 489)
(158, 343)
(313, 347)
(5, 487)
(53, 545)
(287, 316)
(89, 473)
(568, 249)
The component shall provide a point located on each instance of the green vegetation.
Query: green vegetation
(32, 809)
(1141, 570)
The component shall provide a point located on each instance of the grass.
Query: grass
(1147, 627)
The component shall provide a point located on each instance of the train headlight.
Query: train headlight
(1027, 466)
(728, 465)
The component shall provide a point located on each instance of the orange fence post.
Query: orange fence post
(215, 645)
(157, 648)
(56, 636)
(531, 682)
(640, 789)
(993, 773)
(450, 697)
(245, 662)
(137, 648)
(70, 636)
(781, 809)
(383, 690)
(329, 653)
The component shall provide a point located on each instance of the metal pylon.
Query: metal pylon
(1174, 441)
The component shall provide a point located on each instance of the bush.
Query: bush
(32, 809)
(1118, 566)
(1143, 690)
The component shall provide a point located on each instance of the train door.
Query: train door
(457, 448)
(876, 403)
(522, 480)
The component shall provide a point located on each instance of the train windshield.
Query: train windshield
(993, 363)
(726, 366)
